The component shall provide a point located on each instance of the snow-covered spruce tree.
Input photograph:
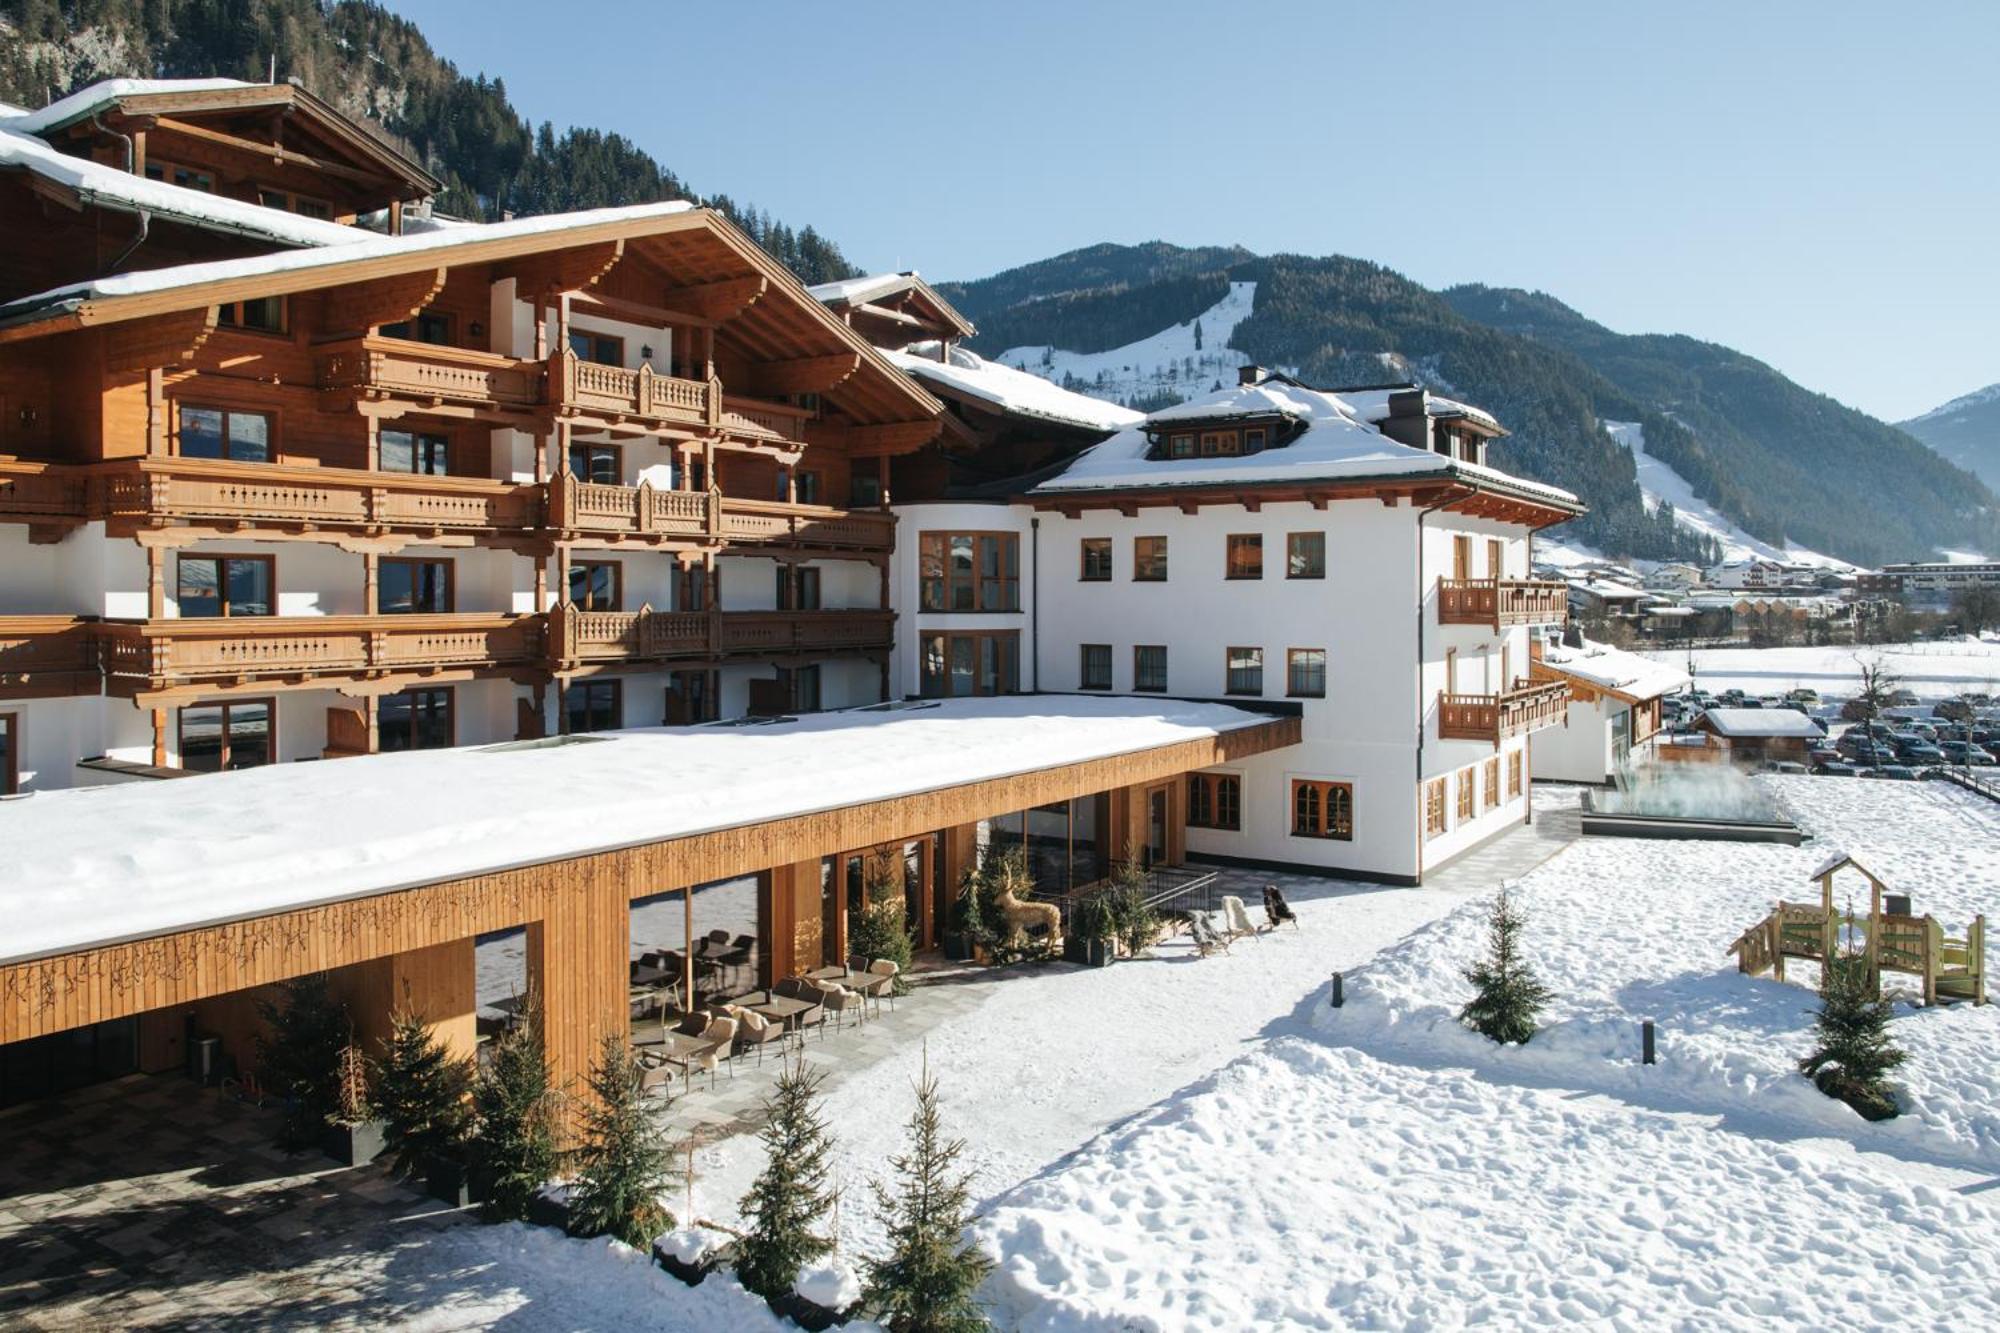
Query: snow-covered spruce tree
(1855, 1051)
(420, 1093)
(926, 1283)
(298, 1055)
(515, 1109)
(1507, 997)
(790, 1201)
(621, 1163)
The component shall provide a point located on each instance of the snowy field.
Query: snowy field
(1929, 670)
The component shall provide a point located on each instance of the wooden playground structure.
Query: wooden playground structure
(1952, 969)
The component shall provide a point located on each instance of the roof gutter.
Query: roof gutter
(131, 169)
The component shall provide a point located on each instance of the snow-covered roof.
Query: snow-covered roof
(1761, 722)
(1614, 669)
(1608, 590)
(1013, 391)
(86, 102)
(1373, 405)
(1335, 445)
(1841, 857)
(854, 291)
(92, 865)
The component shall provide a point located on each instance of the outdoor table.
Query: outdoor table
(676, 1048)
(832, 972)
(777, 1007)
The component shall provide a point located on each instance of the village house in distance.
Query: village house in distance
(423, 579)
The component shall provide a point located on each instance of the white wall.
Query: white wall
(905, 674)
(1580, 749)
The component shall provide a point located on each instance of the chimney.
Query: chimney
(1250, 374)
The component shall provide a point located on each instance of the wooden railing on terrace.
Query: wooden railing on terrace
(32, 491)
(647, 635)
(808, 525)
(47, 656)
(1502, 602)
(1497, 717)
(156, 653)
(761, 417)
(590, 507)
(193, 489)
(399, 368)
(613, 391)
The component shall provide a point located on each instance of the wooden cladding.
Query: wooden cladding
(1500, 603)
(1494, 718)
(647, 635)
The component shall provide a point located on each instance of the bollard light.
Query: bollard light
(1337, 999)
(1646, 1041)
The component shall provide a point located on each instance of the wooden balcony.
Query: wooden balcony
(642, 514)
(483, 384)
(46, 657)
(765, 422)
(158, 655)
(578, 637)
(51, 498)
(1494, 718)
(749, 522)
(251, 496)
(1500, 603)
(615, 396)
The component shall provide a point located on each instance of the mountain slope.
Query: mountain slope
(1966, 431)
(375, 67)
(1789, 466)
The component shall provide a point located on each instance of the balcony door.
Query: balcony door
(1461, 558)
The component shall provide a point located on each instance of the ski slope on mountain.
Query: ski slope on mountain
(1171, 361)
(1658, 482)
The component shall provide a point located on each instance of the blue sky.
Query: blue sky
(1814, 184)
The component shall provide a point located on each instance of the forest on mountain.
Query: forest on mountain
(378, 68)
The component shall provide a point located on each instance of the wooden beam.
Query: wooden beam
(275, 152)
(383, 301)
(894, 437)
(571, 270)
(717, 300)
(812, 374)
(635, 312)
(164, 340)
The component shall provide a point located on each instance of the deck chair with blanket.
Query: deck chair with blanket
(1207, 939)
(1276, 909)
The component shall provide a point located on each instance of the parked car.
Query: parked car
(1903, 698)
(1823, 754)
(1921, 754)
(1966, 754)
(1788, 767)
(1897, 772)
(1833, 768)
(1803, 695)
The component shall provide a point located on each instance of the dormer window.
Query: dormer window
(1181, 446)
(1253, 440)
(185, 177)
(304, 206)
(1220, 444)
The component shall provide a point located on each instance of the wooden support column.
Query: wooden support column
(371, 715)
(882, 476)
(541, 585)
(541, 328)
(138, 152)
(435, 983)
(371, 591)
(708, 353)
(541, 458)
(373, 425)
(159, 738)
(156, 583)
(578, 967)
(156, 413)
(791, 484)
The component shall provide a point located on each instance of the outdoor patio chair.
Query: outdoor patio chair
(720, 1037)
(840, 1000)
(1207, 939)
(1235, 917)
(753, 1029)
(739, 951)
(798, 988)
(655, 1079)
(1276, 909)
(885, 988)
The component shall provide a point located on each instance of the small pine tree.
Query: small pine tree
(882, 930)
(1508, 997)
(1855, 1051)
(927, 1282)
(791, 1196)
(622, 1160)
(515, 1109)
(420, 1093)
(298, 1056)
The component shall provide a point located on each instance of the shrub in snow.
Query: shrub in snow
(882, 929)
(621, 1159)
(926, 1282)
(1855, 1051)
(790, 1200)
(420, 1093)
(515, 1109)
(298, 1056)
(1138, 925)
(1507, 997)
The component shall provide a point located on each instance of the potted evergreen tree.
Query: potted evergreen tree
(621, 1163)
(1092, 934)
(928, 1280)
(421, 1094)
(354, 1133)
(882, 929)
(1856, 1051)
(790, 1204)
(298, 1056)
(514, 1153)
(1507, 998)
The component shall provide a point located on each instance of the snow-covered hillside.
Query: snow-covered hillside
(1185, 360)
(1658, 481)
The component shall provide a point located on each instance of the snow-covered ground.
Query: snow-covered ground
(1167, 362)
(1929, 670)
(1658, 481)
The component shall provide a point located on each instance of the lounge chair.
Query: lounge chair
(1276, 909)
(1207, 939)
(1235, 918)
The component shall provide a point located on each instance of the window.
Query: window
(1096, 560)
(1219, 444)
(1305, 555)
(1214, 800)
(963, 665)
(10, 755)
(1253, 440)
(693, 589)
(185, 177)
(1465, 808)
(414, 587)
(411, 451)
(596, 463)
(602, 348)
(225, 585)
(1246, 556)
(592, 705)
(697, 474)
(805, 488)
(798, 588)
(263, 314)
(218, 737)
(214, 432)
(425, 328)
(1514, 774)
(594, 585)
(1496, 560)
(1323, 810)
(689, 698)
(415, 720)
(1149, 560)
(303, 205)
(1180, 446)
(1305, 673)
(862, 492)
(1149, 668)
(1245, 671)
(1492, 782)
(1433, 807)
(801, 687)
(1094, 671)
(970, 571)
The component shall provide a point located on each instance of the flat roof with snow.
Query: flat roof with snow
(1754, 723)
(96, 865)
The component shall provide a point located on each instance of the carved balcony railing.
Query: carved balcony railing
(751, 521)
(191, 490)
(1500, 603)
(646, 635)
(396, 368)
(613, 393)
(158, 654)
(47, 657)
(1494, 718)
(600, 510)
(49, 497)
(764, 421)
(804, 631)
